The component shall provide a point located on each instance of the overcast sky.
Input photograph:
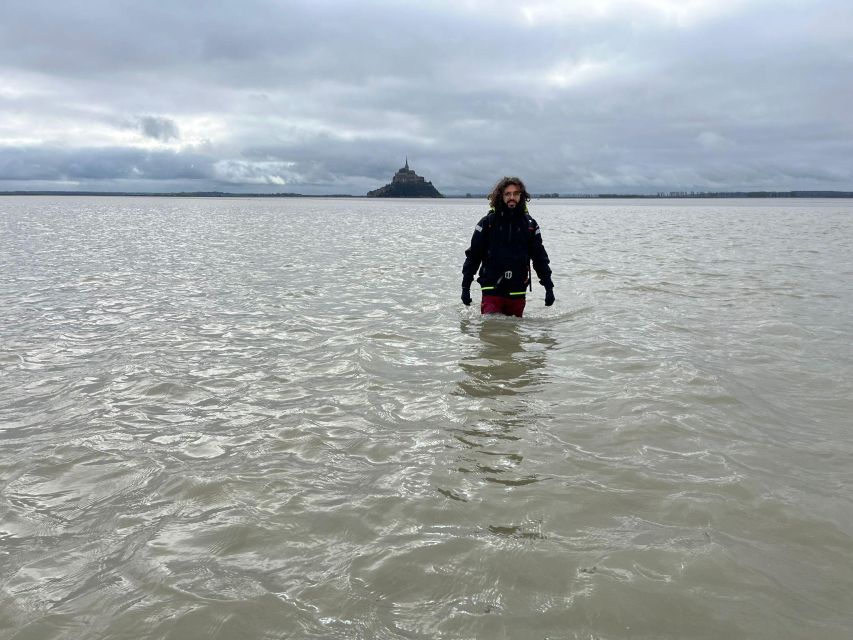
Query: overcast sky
(322, 97)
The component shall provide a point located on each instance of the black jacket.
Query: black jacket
(503, 245)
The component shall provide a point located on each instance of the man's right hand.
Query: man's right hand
(466, 296)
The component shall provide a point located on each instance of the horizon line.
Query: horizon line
(796, 193)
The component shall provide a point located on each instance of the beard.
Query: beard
(519, 206)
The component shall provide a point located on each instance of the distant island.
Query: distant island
(406, 184)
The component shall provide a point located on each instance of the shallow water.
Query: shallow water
(255, 418)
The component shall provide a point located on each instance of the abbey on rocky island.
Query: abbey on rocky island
(406, 184)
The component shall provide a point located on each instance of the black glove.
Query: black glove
(466, 296)
(549, 296)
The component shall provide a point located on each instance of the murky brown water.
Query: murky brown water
(274, 419)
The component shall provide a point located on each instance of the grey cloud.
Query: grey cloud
(322, 95)
(158, 128)
(48, 163)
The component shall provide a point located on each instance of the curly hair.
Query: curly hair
(496, 196)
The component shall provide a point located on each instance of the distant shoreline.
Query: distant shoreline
(467, 196)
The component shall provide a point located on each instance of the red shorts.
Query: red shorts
(506, 306)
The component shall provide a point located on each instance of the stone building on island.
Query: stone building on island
(406, 184)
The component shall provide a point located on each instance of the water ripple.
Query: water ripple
(216, 424)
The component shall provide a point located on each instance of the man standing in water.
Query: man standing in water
(504, 243)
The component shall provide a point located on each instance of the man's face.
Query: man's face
(512, 196)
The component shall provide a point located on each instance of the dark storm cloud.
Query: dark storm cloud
(575, 96)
